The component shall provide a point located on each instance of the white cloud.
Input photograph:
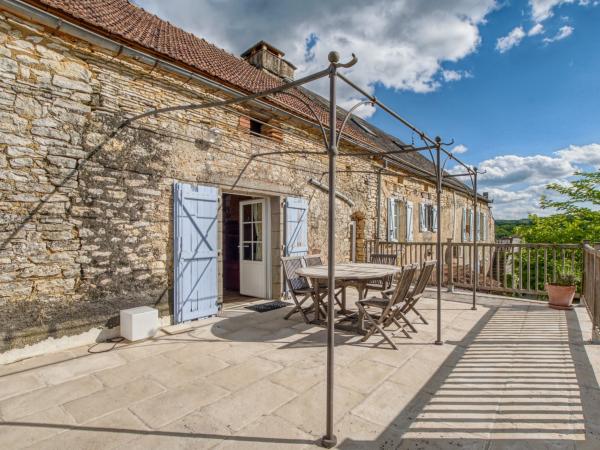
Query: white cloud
(400, 44)
(563, 32)
(511, 40)
(458, 149)
(508, 170)
(543, 9)
(515, 183)
(538, 28)
(588, 155)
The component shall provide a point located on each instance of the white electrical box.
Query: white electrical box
(139, 323)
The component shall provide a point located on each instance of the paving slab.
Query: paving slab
(79, 366)
(133, 370)
(176, 374)
(25, 431)
(11, 385)
(47, 397)
(112, 431)
(195, 431)
(241, 375)
(269, 432)
(159, 410)
(307, 410)
(107, 400)
(245, 406)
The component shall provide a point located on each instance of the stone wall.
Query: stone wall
(86, 208)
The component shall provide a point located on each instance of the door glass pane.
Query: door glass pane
(247, 231)
(247, 251)
(257, 212)
(257, 251)
(257, 232)
(246, 213)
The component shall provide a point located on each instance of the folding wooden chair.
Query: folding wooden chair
(298, 287)
(387, 307)
(415, 295)
(317, 260)
(381, 284)
(419, 289)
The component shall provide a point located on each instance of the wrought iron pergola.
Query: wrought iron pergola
(332, 135)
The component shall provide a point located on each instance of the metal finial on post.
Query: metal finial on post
(333, 57)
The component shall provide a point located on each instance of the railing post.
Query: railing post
(594, 290)
(450, 263)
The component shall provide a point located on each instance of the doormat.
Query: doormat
(270, 306)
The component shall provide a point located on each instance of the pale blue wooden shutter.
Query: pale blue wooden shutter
(434, 219)
(195, 249)
(464, 224)
(409, 221)
(296, 226)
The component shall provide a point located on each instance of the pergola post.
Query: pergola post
(475, 261)
(329, 440)
(438, 244)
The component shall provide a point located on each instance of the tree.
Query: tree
(576, 220)
(586, 189)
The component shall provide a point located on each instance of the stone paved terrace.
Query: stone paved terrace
(511, 375)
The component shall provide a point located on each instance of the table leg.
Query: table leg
(361, 286)
(317, 299)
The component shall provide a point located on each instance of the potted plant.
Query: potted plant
(562, 291)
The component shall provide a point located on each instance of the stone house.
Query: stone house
(95, 217)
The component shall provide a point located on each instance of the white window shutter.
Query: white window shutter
(464, 224)
(434, 223)
(409, 221)
(485, 227)
(391, 220)
(422, 226)
(471, 231)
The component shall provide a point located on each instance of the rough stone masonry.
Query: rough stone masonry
(86, 215)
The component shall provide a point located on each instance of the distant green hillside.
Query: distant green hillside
(506, 228)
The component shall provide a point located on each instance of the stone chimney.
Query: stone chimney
(266, 57)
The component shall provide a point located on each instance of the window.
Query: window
(400, 220)
(428, 217)
(396, 211)
(256, 127)
(467, 225)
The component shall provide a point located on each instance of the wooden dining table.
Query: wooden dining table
(356, 275)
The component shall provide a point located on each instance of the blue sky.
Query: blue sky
(516, 84)
(534, 98)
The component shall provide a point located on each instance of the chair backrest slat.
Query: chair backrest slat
(313, 260)
(424, 276)
(384, 258)
(290, 265)
(404, 280)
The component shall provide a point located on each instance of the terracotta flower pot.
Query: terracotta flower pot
(560, 297)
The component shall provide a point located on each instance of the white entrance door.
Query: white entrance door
(253, 258)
